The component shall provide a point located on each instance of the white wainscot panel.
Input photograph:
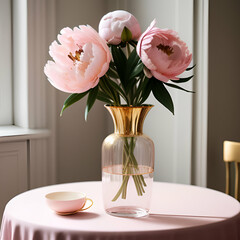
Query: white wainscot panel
(39, 164)
(13, 171)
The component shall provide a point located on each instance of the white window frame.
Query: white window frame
(6, 117)
(33, 100)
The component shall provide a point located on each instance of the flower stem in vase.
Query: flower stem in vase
(130, 169)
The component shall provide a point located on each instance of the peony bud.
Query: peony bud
(113, 23)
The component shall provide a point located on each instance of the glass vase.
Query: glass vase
(127, 163)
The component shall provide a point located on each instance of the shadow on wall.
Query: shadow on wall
(224, 85)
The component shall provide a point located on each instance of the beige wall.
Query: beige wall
(79, 142)
(224, 84)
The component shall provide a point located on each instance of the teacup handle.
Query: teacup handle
(87, 199)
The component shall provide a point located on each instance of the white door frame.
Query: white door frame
(200, 102)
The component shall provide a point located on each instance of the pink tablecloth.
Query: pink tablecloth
(178, 212)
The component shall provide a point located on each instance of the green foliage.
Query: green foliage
(112, 72)
(102, 97)
(126, 35)
(125, 81)
(190, 68)
(182, 80)
(120, 60)
(134, 67)
(177, 87)
(72, 99)
(146, 90)
(92, 96)
(162, 95)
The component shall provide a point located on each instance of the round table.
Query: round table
(178, 212)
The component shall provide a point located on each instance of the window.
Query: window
(6, 117)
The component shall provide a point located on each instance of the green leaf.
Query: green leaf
(126, 35)
(104, 98)
(134, 67)
(112, 73)
(190, 68)
(115, 86)
(182, 80)
(133, 59)
(161, 94)
(175, 86)
(110, 91)
(136, 71)
(92, 96)
(133, 43)
(131, 63)
(120, 62)
(140, 91)
(112, 65)
(72, 99)
(146, 92)
(142, 84)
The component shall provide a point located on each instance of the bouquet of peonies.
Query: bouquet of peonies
(119, 64)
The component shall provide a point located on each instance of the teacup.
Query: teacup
(65, 203)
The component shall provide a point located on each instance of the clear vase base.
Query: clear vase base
(128, 212)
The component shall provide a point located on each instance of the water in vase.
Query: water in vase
(129, 203)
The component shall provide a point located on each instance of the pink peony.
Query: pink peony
(81, 58)
(163, 53)
(112, 24)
